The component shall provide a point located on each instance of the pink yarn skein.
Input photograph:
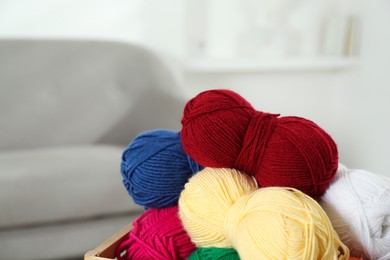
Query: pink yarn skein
(159, 235)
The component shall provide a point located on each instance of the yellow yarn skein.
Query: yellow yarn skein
(283, 223)
(205, 201)
(265, 223)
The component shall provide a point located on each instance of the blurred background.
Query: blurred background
(326, 60)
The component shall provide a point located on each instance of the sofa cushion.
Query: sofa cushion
(68, 240)
(50, 87)
(57, 184)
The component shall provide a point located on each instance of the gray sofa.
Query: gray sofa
(68, 108)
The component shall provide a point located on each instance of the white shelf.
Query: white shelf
(258, 66)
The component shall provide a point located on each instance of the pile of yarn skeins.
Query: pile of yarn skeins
(239, 183)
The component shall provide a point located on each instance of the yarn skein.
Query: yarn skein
(358, 205)
(221, 129)
(214, 253)
(211, 195)
(264, 223)
(157, 235)
(155, 168)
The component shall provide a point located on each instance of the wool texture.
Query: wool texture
(358, 205)
(221, 129)
(157, 235)
(214, 253)
(206, 200)
(224, 208)
(155, 168)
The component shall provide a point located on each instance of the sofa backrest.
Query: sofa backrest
(64, 92)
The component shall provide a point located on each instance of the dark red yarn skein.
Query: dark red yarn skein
(221, 129)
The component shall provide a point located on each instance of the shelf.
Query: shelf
(255, 66)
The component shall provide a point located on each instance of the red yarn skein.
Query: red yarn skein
(157, 235)
(221, 129)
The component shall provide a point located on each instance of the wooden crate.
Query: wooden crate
(106, 250)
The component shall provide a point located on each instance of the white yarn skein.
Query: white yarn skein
(357, 203)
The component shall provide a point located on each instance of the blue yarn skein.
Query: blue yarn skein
(155, 168)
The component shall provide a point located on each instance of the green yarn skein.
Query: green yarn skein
(214, 253)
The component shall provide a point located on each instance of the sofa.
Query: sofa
(68, 108)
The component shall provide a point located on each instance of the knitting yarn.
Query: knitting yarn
(358, 205)
(265, 223)
(155, 168)
(221, 129)
(157, 235)
(210, 194)
(214, 253)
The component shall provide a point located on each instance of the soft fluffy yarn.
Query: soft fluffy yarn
(358, 205)
(214, 253)
(221, 129)
(157, 235)
(205, 202)
(155, 168)
(223, 208)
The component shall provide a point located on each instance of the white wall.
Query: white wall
(364, 99)
(158, 24)
(353, 105)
